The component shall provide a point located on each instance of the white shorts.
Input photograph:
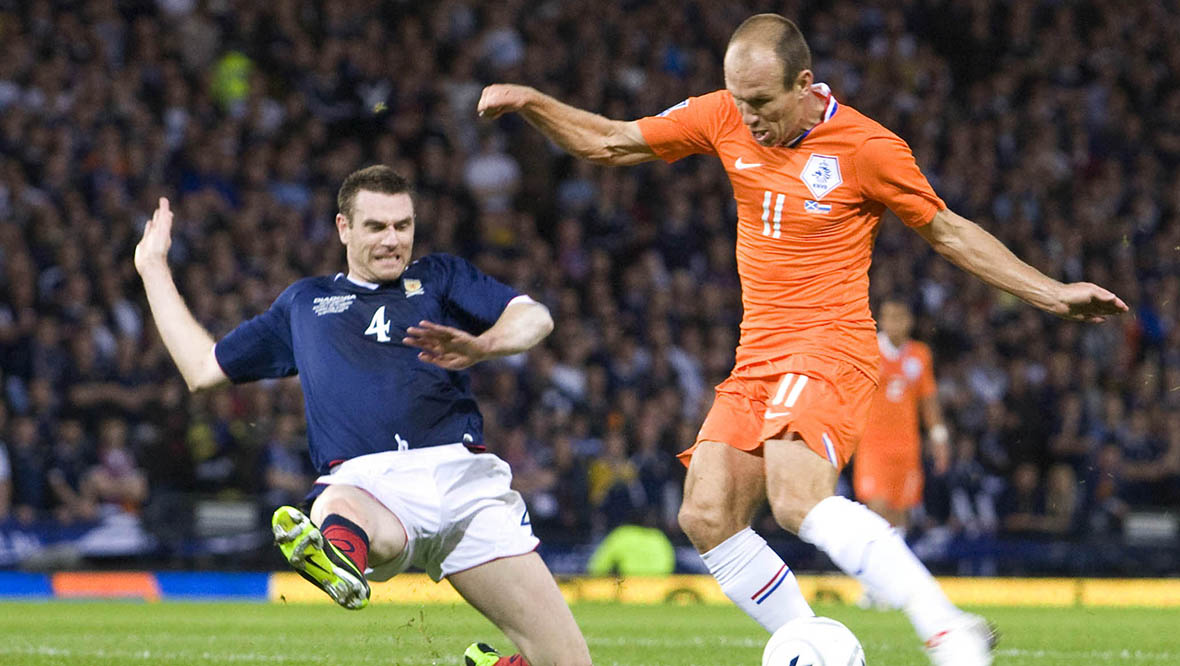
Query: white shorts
(458, 508)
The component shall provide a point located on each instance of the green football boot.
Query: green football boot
(317, 560)
(480, 654)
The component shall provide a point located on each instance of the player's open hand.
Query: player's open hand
(503, 98)
(1083, 301)
(152, 250)
(444, 346)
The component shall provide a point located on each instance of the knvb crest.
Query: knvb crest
(413, 287)
(821, 175)
(911, 368)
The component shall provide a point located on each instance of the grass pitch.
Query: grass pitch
(192, 634)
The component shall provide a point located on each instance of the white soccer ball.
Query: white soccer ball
(813, 641)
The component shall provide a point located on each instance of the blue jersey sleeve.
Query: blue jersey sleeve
(476, 300)
(260, 348)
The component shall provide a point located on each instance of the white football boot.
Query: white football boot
(967, 642)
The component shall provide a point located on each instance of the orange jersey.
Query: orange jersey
(807, 217)
(907, 376)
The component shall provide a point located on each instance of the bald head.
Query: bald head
(766, 36)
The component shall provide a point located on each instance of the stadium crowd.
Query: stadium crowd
(1054, 123)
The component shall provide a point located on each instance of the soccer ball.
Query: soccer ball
(813, 641)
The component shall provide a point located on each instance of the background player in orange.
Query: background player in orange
(811, 178)
(887, 470)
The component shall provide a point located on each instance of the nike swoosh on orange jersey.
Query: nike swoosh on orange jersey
(745, 165)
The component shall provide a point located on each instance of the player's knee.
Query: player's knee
(791, 506)
(705, 526)
(336, 499)
(387, 537)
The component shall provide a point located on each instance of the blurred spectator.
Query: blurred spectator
(492, 175)
(530, 476)
(213, 441)
(659, 472)
(570, 492)
(1022, 506)
(1063, 503)
(974, 492)
(614, 483)
(68, 466)
(5, 467)
(28, 455)
(1105, 506)
(287, 467)
(1147, 460)
(116, 482)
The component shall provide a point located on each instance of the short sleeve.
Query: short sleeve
(475, 299)
(260, 348)
(888, 174)
(688, 128)
(926, 384)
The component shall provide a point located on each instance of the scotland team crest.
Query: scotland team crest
(413, 287)
(821, 175)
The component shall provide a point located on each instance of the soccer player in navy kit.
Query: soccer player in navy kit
(392, 425)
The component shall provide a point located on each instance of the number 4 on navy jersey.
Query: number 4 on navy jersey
(378, 326)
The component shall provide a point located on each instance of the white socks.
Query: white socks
(757, 580)
(863, 545)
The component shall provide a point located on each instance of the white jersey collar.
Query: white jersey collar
(822, 90)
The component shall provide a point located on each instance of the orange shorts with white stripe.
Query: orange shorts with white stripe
(824, 400)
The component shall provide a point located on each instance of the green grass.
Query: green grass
(68, 633)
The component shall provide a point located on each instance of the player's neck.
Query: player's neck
(813, 114)
(816, 105)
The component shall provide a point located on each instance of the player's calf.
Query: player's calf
(319, 561)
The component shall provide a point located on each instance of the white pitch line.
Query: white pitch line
(155, 656)
(1098, 656)
(670, 643)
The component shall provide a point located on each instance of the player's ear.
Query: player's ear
(343, 226)
(803, 81)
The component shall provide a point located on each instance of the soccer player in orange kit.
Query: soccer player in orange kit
(887, 471)
(811, 177)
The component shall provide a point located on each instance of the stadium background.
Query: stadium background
(1055, 124)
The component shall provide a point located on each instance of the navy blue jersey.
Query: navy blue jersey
(364, 390)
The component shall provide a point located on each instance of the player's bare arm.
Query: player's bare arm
(189, 344)
(970, 247)
(581, 133)
(520, 327)
(937, 433)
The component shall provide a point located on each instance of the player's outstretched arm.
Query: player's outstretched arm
(520, 327)
(580, 133)
(189, 344)
(973, 249)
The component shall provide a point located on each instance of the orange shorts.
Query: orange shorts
(899, 485)
(824, 400)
